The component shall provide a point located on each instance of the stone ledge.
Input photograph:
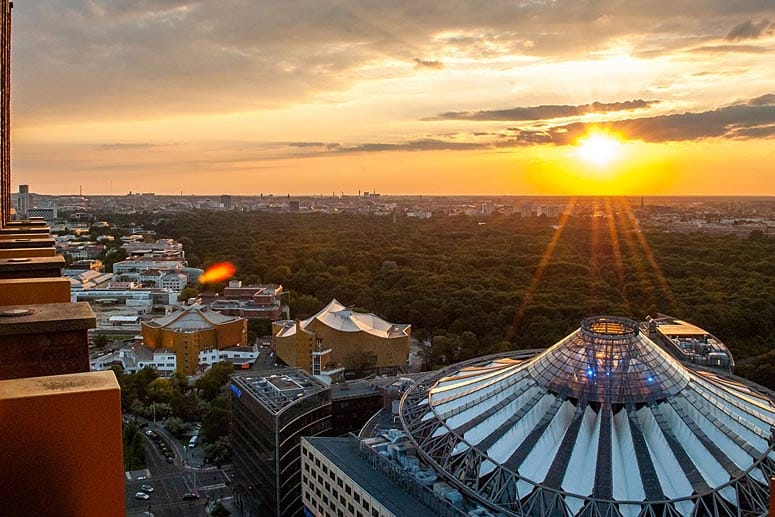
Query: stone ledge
(31, 267)
(47, 318)
(27, 252)
(27, 243)
(37, 230)
(6, 236)
(18, 291)
(32, 221)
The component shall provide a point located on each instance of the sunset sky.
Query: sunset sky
(401, 97)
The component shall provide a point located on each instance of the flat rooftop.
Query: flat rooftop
(343, 452)
(681, 328)
(276, 389)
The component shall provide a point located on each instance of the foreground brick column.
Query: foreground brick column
(44, 339)
(61, 448)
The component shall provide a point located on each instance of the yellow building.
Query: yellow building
(338, 336)
(193, 330)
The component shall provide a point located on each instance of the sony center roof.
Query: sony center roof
(602, 423)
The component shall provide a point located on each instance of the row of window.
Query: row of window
(363, 510)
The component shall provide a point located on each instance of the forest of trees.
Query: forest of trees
(480, 285)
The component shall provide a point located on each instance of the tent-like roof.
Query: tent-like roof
(338, 317)
(195, 317)
(603, 423)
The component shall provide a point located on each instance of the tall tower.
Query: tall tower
(23, 206)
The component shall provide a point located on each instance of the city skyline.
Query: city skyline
(415, 98)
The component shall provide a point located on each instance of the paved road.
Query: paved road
(170, 482)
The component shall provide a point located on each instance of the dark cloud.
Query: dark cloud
(414, 145)
(730, 121)
(754, 132)
(548, 111)
(723, 49)
(121, 146)
(306, 144)
(753, 119)
(428, 65)
(748, 30)
(767, 98)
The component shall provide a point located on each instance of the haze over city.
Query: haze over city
(415, 97)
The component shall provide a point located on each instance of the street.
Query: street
(171, 481)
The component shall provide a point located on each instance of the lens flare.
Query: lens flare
(217, 273)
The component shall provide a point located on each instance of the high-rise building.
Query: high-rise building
(604, 423)
(23, 204)
(226, 201)
(271, 411)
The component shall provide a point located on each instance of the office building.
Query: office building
(23, 202)
(271, 411)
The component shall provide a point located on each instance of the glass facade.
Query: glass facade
(266, 434)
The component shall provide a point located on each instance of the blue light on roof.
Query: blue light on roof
(236, 391)
(590, 372)
(649, 379)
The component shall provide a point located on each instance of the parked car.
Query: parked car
(142, 495)
(147, 488)
(190, 497)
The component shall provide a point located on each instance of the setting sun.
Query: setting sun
(598, 149)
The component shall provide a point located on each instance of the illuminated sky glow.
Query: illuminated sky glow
(405, 97)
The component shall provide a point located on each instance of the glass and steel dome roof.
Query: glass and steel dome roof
(609, 360)
(603, 423)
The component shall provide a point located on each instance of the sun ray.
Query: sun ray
(617, 252)
(539, 272)
(641, 273)
(649, 254)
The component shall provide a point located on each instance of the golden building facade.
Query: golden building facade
(356, 340)
(193, 330)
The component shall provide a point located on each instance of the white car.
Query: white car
(142, 495)
(147, 488)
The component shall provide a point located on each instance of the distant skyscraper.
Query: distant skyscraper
(23, 205)
(226, 201)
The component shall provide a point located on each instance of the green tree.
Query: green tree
(188, 292)
(160, 390)
(219, 452)
(100, 340)
(214, 379)
(217, 420)
(176, 426)
(113, 255)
